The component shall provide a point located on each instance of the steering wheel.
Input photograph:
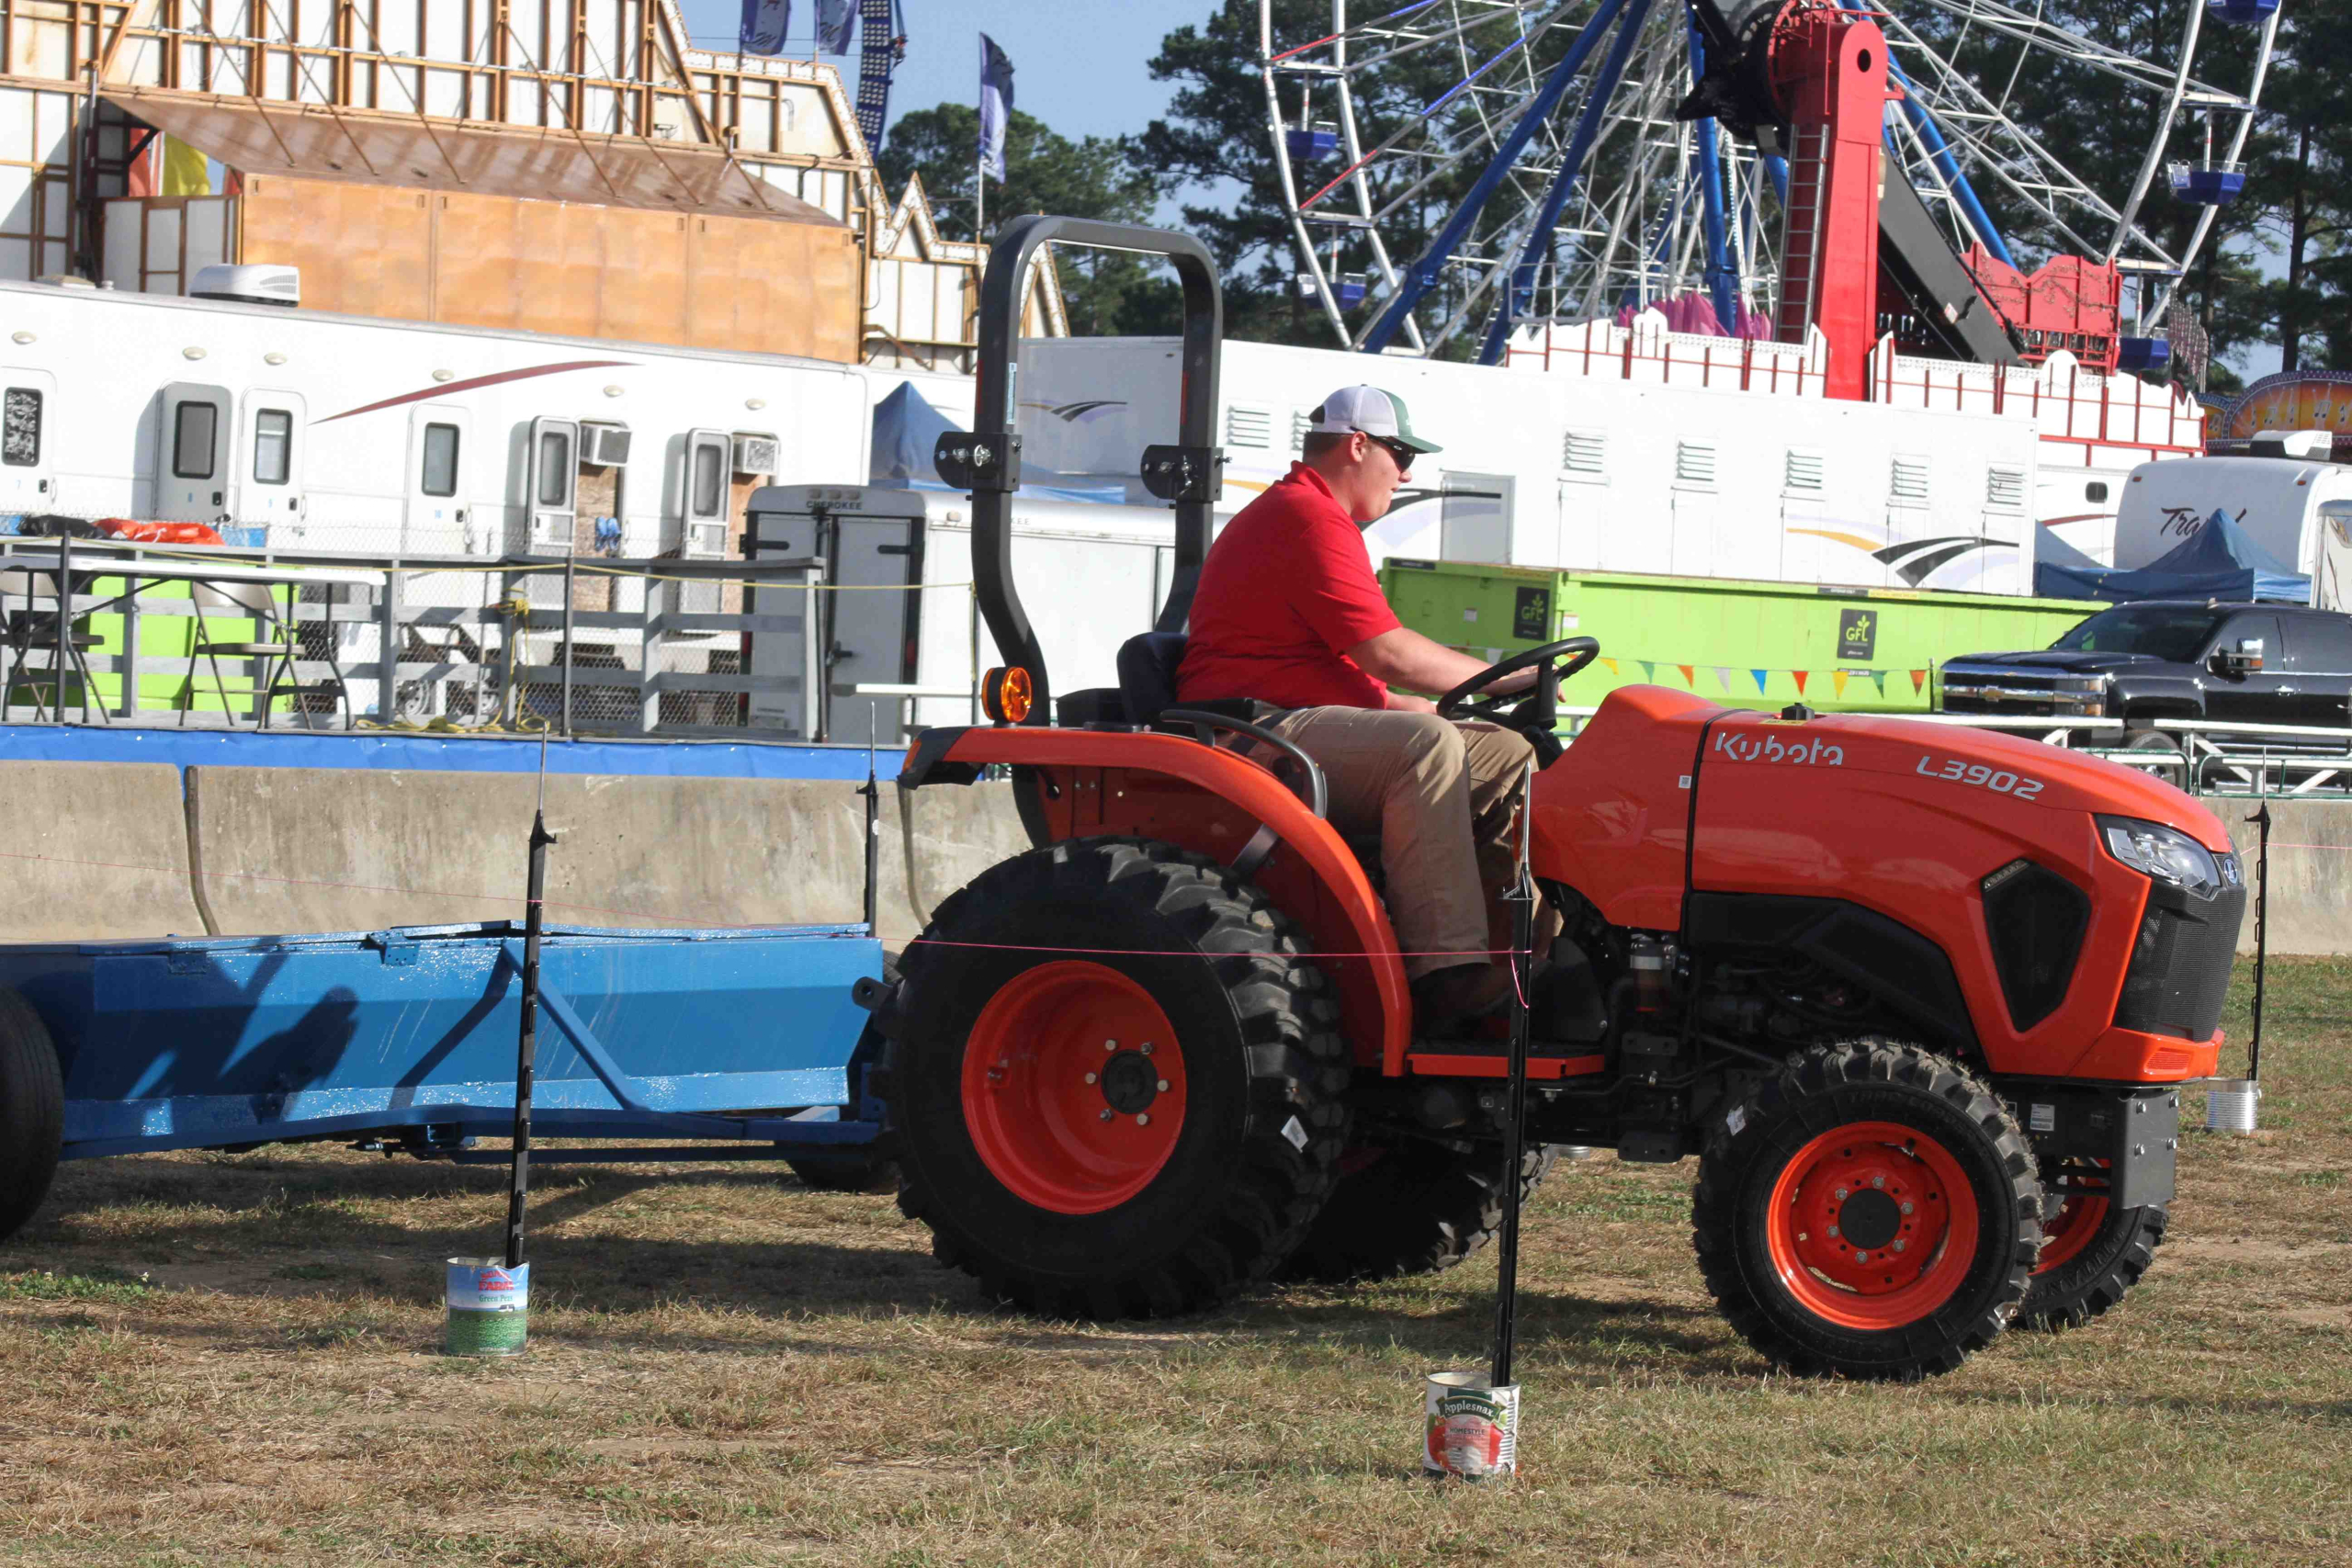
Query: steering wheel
(1536, 713)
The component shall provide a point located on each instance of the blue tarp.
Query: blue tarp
(441, 753)
(906, 429)
(2219, 561)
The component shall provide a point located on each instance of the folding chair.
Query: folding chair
(273, 648)
(29, 631)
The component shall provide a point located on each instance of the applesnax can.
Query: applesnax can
(1469, 1428)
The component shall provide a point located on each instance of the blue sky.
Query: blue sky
(1078, 65)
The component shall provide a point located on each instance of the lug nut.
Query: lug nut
(1877, 1181)
(1163, 1086)
(1899, 1245)
(1090, 1078)
(1906, 1205)
(1841, 1195)
(1833, 1230)
(1110, 1044)
(1861, 1257)
(1106, 1114)
(1147, 1047)
(1143, 1118)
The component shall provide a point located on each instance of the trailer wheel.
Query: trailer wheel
(1114, 1086)
(1409, 1208)
(32, 1112)
(1872, 1211)
(2092, 1252)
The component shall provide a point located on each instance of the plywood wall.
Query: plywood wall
(749, 285)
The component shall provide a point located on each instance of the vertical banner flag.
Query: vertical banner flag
(836, 25)
(996, 106)
(764, 24)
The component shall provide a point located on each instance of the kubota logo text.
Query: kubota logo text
(1772, 749)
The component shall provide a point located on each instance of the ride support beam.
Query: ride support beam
(1829, 70)
(1723, 279)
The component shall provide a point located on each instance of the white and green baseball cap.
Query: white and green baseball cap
(1373, 412)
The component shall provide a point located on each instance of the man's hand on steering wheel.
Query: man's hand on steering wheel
(1535, 715)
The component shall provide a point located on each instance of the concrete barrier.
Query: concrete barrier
(295, 849)
(118, 850)
(95, 851)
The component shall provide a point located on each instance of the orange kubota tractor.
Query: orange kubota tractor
(1918, 998)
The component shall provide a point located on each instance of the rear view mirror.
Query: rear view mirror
(2243, 659)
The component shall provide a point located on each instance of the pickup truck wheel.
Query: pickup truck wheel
(1114, 1086)
(1872, 1211)
(1410, 1208)
(32, 1112)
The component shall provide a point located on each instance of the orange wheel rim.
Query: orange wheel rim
(1073, 1087)
(2081, 1211)
(1872, 1225)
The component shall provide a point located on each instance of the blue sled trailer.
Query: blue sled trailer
(405, 1041)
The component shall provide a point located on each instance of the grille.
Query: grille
(1907, 484)
(1583, 451)
(1694, 464)
(1804, 471)
(1248, 427)
(2005, 489)
(2036, 919)
(2180, 962)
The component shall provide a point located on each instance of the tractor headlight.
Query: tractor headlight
(2164, 853)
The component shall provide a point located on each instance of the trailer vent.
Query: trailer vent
(1694, 463)
(608, 445)
(1584, 452)
(1907, 485)
(1248, 427)
(1300, 423)
(755, 455)
(1806, 472)
(2005, 489)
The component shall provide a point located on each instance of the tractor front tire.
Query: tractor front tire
(1870, 1210)
(1413, 1208)
(1114, 1086)
(32, 1112)
(2092, 1252)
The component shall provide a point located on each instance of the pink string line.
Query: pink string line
(1195, 953)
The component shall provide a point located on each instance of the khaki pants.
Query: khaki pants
(1440, 796)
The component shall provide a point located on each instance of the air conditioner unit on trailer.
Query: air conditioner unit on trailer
(755, 454)
(707, 539)
(608, 445)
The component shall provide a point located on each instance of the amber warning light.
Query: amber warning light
(1006, 696)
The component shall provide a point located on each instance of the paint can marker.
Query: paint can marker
(489, 1307)
(1469, 1428)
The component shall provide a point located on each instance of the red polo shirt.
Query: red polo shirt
(1286, 591)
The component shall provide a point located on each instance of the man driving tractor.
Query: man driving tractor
(1288, 612)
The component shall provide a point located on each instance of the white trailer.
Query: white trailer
(2280, 497)
(1561, 470)
(903, 614)
(307, 431)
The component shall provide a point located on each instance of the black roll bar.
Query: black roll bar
(987, 462)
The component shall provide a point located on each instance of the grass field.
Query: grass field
(218, 1360)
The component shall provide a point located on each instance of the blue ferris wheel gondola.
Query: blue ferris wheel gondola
(2240, 13)
(2213, 184)
(1311, 144)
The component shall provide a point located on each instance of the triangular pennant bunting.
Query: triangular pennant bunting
(1878, 677)
(1689, 675)
(1759, 675)
(1800, 674)
(1918, 679)
(1649, 668)
(1837, 679)
(1723, 676)
(1611, 663)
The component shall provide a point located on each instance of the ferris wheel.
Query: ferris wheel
(1457, 167)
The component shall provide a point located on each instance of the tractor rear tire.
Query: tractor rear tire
(1870, 1210)
(1417, 1208)
(32, 1112)
(1113, 1085)
(2092, 1253)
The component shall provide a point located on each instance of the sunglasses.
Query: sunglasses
(1402, 454)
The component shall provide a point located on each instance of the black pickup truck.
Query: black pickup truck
(2173, 659)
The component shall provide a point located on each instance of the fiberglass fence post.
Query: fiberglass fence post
(569, 633)
(1522, 898)
(65, 621)
(2261, 819)
(526, 1042)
